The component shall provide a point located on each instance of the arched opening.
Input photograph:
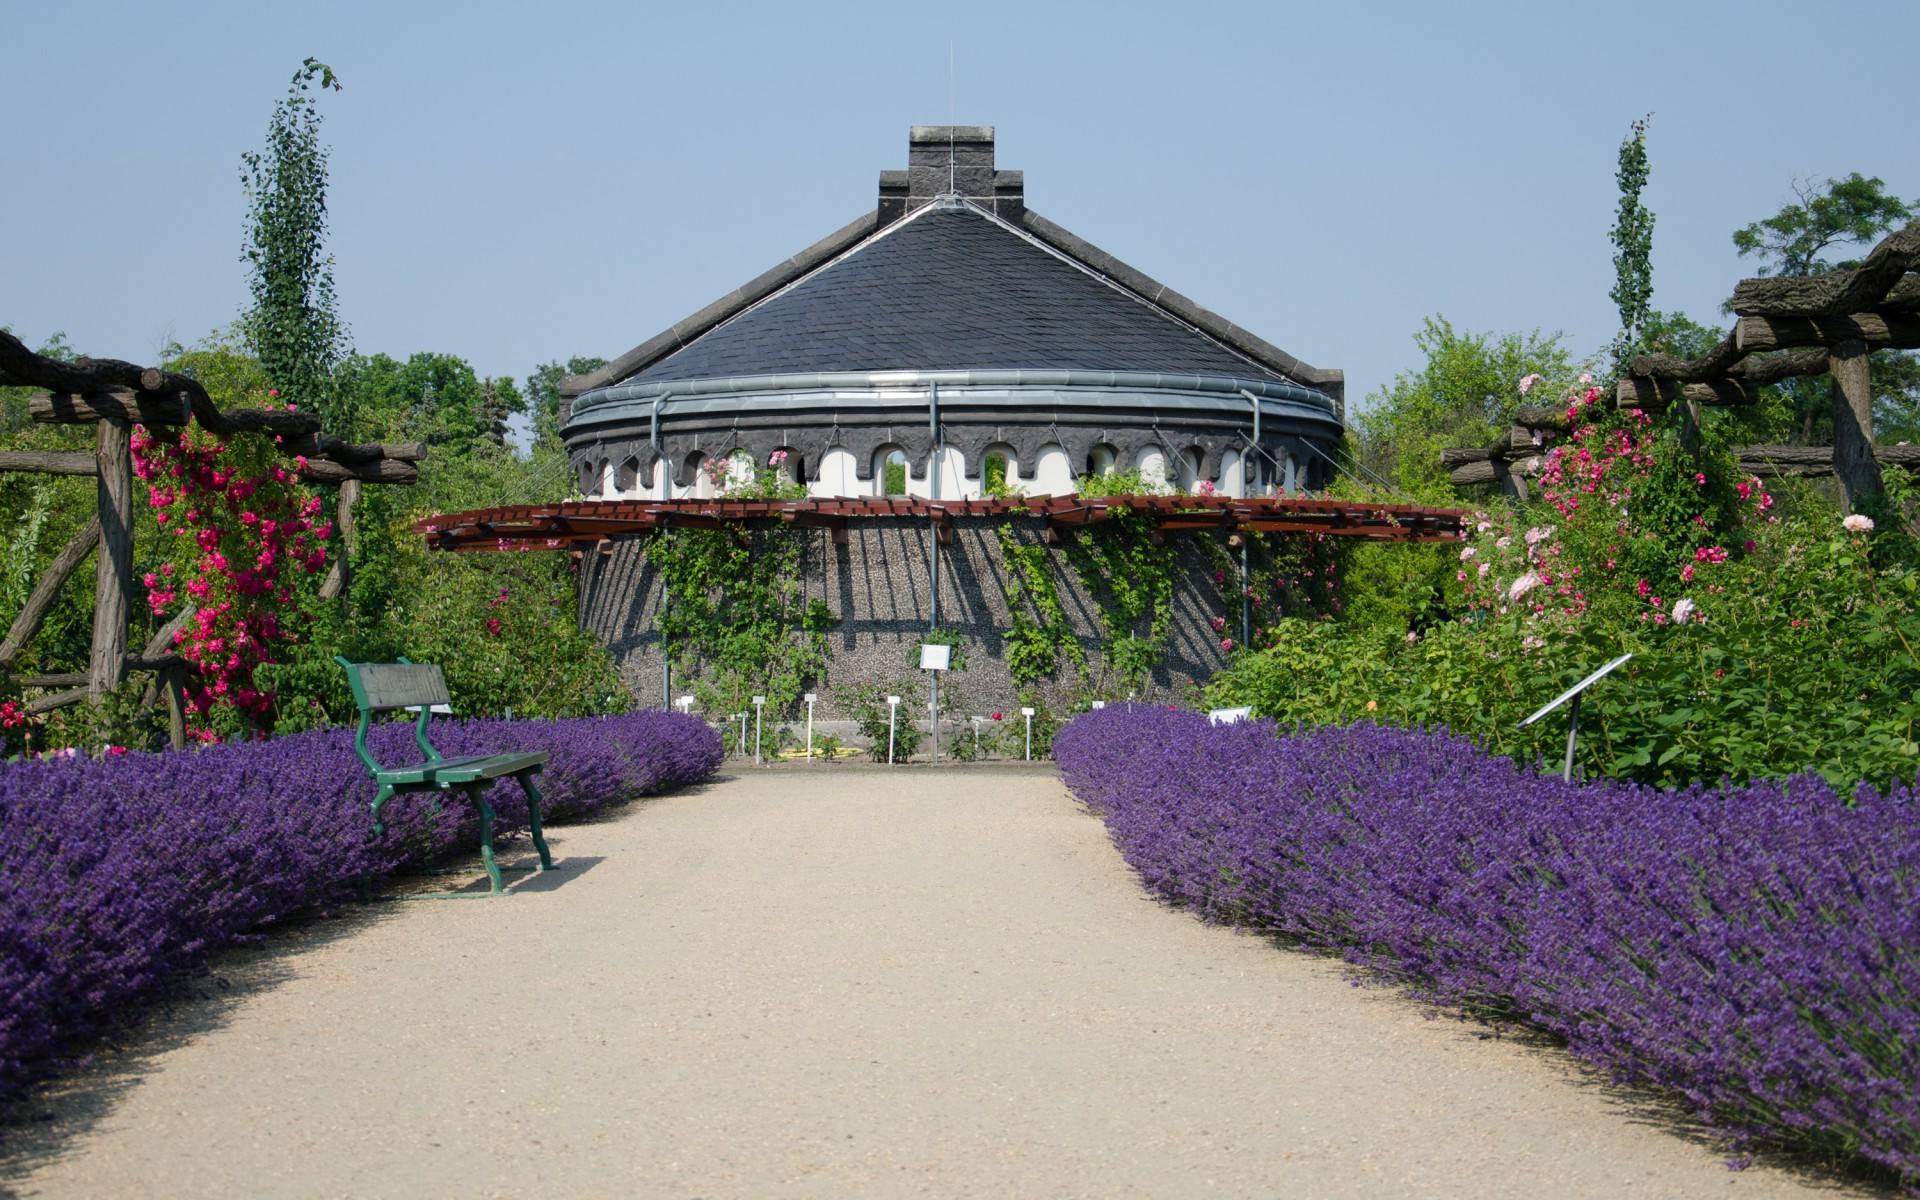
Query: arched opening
(626, 477)
(890, 471)
(993, 474)
(787, 461)
(999, 470)
(1102, 460)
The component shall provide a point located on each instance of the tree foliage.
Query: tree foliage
(1853, 212)
(1632, 239)
(1463, 396)
(294, 324)
(543, 395)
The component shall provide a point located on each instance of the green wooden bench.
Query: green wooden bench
(387, 687)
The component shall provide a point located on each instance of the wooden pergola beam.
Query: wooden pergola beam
(1814, 295)
(80, 408)
(1878, 330)
(49, 462)
(1653, 395)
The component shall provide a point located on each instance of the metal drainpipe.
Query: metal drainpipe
(1258, 480)
(933, 540)
(666, 662)
(933, 493)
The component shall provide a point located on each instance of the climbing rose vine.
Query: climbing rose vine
(244, 531)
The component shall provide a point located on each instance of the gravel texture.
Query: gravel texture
(830, 982)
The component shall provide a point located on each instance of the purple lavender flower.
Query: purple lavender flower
(1756, 948)
(119, 874)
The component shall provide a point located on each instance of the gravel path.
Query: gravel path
(834, 983)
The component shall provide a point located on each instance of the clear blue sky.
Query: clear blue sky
(520, 183)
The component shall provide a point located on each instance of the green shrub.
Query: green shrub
(867, 702)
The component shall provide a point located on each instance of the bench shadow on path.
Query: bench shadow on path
(1642, 1105)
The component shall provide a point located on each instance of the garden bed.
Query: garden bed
(1755, 948)
(119, 874)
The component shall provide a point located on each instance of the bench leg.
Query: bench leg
(478, 796)
(380, 802)
(533, 818)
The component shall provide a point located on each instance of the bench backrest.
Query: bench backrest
(385, 687)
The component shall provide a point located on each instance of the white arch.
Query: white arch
(740, 467)
(1152, 465)
(1233, 475)
(1052, 472)
(1187, 479)
(839, 475)
(702, 487)
(952, 468)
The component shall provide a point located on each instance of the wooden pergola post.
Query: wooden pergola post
(1853, 458)
(113, 566)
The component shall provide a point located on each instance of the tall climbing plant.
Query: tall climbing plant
(294, 325)
(1632, 240)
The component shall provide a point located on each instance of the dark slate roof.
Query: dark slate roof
(951, 289)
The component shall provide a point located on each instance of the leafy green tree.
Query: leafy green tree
(1853, 212)
(543, 396)
(1841, 216)
(294, 325)
(434, 398)
(1632, 247)
(1463, 396)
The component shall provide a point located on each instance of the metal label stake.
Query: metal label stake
(1573, 723)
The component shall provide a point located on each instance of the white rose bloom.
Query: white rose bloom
(1858, 523)
(1523, 585)
(1682, 611)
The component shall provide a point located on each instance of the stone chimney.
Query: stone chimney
(950, 158)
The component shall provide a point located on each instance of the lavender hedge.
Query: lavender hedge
(118, 874)
(1756, 948)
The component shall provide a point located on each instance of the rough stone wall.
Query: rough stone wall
(878, 587)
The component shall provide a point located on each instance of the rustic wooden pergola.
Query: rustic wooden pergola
(1800, 325)
(114, 396)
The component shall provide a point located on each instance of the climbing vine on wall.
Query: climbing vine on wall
(1040, 633)
(1290, 575)
(1128, 574)
(738, 622)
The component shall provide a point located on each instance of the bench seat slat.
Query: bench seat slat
(464, 769)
